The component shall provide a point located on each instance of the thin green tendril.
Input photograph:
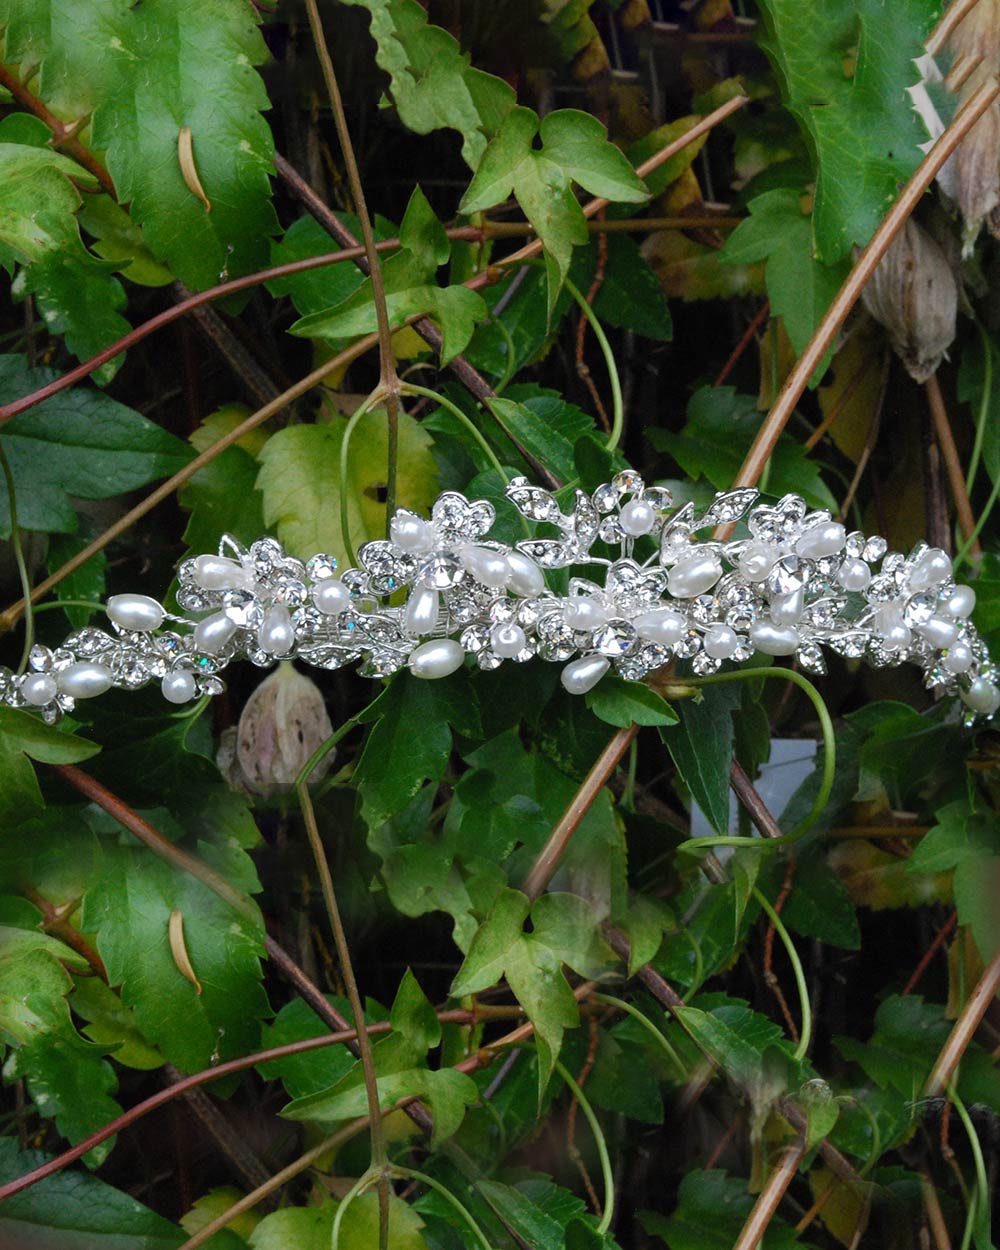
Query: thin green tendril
(805, 1036)
(19, 560)
(345, 446)
(602, 1148)
(979, 1205)
(617, 403)
(648, 1025)
(447, 1195)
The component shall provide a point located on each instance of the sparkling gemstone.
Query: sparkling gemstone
(919, 609)
(688, 645)
(442, 571)
(605, 498)
(811, 658)
(728, 507)
(789, 574)
(610, 531)
(703, 664)
(321, 566)
(242, 607)
(614, 638)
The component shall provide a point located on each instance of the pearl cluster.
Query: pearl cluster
(793, 583)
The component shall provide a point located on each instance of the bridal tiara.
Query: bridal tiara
(440, 590)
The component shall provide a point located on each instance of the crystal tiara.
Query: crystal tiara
(440, 589)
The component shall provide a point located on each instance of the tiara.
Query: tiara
(439, 590)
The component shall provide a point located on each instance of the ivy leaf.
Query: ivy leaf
(711, 1210)
(624, 703)
(701, 746)
(305, 1228)
(222, 497)
(630, 297)
(359, 1229)
(23, 738)
(167, 65)
(300, 481)
(77, 294)
(112, 1024)
(317, 1069)
(317, 289)
(528, 1222)
(77, 443)
(844, 73)
(574, 148)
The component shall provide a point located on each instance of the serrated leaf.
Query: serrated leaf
(624, 703)
(23, 738)
(529, 1223)
(711, 1209)
(112, 1024)
(360, 1227)
(701, 746)
(305, 1228)
(77, 443)
(630, 296)
(315, 1070)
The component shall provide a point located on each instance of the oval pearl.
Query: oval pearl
(39, 689)
(434, 659)
(583, 612)
(932, 567)
(939, 632)
(84, 680)
(136, 612)
(212, 634)
(774, 639)
(693, 576)
(720, 641)
(276, 635)
(525, 576)
(825, 538)
(412, 533)
(854, 575)
(958, 658)
(179, 686)
(660, 625)
(331, 596)
(508, 640)
(982, 696)
(960, 602)
(787, 609)
(637, 518)
(421, 614)
(220, 573)
(756, 561)
(488, 567)
(583, 674)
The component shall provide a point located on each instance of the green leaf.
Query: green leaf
(118, 239)
(799, 285)
(529, 1223)
(819, 905)
(305, 1228)
(86, 582)
(128, 907)
(75, 1211)
(112, 1024)
(360, 1227)
(23, 738)
(300, 481)
(77, 443)
(844, 72)
(711, 1210)
(315, 1070)
(223, 498)
(624, 703)
(701, 746)
(630, 297)
(167, 65)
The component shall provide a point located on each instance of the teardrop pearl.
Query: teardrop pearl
(774, 639)
(825, 538)
(583, 674)
(508, 640)
(896, 635)
(584, 612)
(933, 567)
(525, 576)
(939, 632)
(221, 573)
(331, 596)
(787, 609)
(720, 641)
(982, 696)
(958, 658)
(39, 689)
(84, 680)
(637, 518)
(693, 576)
(486, 566)
(854, 575)
(276, 635)
(660, 625)
(411, 532)
(757, 561)
(438, 658)
(422, 609)
(212, 634)
(136, 612)
(179, 686)
(960, 602)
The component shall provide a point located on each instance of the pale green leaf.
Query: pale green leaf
(23, 738)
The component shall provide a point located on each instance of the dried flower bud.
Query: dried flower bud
(284, 721)
(913, 293)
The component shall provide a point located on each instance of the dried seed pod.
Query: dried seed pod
(284, 721)
(913, 293)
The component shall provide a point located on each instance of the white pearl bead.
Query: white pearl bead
(84, 680)
(411, 532)
(694, 575)
(221, 573)
(508, 640)
(276, 635)
(825, 538)
(787, 609)
(39, 689)
(932, 567)
(854, 575)
(179, 686)
(888, 621)
(756, 561)
(982, 696)
(939, 632)
(438, 658)
(584, 612)
(637, 518)
(660, 625)
(720, 641)
(525, 576)
(212, 634)
(583, 674)
(421, 614)
(958, 659)
(137, 612)
(488, 567)
(331, 596)
(960, 602)
(774, 639)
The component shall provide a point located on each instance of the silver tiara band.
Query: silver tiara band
(439, 590)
